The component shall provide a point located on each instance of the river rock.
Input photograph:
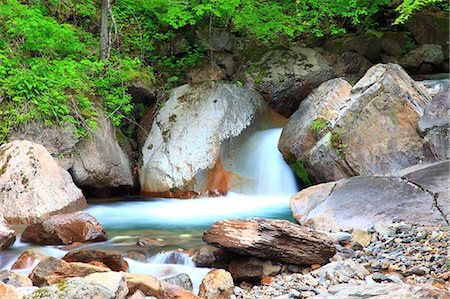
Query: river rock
(384, 291)
(8, 292)
(113, 281)
(112, 260)
(341, 272)
(371, 131)
(284, 77)
(7, 235)
(33, 185)
(217, 284)
(65, 229)
(172, 291)
(175, 163)
(182, 280)
(147, 284)
(204, 257)
(279, 240)
(99, 161)
(394, 43)
(52, 270)
(363, 202)
(27, 259)
(73, 288)
(434, 124)
(424, 54)
(14, 279)
(252, 269)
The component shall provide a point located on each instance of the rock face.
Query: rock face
(285, 77)
(65, 229)
(52, 270)
(271, 239)
(361, 202)
(73, 288)
(112, 260)
(7, 235)
(370, 131)
(176, 161)
(217, 284)
(33, 185)
(434, 124)
(99, 161)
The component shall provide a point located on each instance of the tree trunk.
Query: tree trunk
(104, 33)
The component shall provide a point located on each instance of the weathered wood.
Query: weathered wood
(271, 239)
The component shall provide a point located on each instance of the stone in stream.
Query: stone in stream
(65, 229)
(112, 260)
(204, 257)
(217, 284)
(181, 156)
(73, 288)
(182, 280)
(52, 270)
(278, 240)
(362, 202)
(370, 130)
(33, 185)
(27, 259)
(14, 279)
(7, 235)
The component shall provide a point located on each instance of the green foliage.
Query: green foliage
(408, 7)
(299, 169)
(318, 125)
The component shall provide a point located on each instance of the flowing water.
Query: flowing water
(179, 224)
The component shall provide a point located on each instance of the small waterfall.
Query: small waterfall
(172, 257)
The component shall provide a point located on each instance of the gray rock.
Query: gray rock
(73, 288)
(212, 112)
(362, 202)
(182, 280)
(99, 161)
(284, 77)
(428, 53)
(338, 272)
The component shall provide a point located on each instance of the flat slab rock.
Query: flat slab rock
(362, 202)
(279, 240)
(112, 260)
(65, 229)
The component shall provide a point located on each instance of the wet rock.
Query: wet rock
(429, 54)
(284, 77)
(182, 280)
(52, 270)
(9, 292)
(112, 260)
(27, 259)
(279, 240)
(357, 138)
(252, 269)
(65, 229)
(174, 164)
(362, 202)
(217, 284)
(73, 288)
(113, 281)
(147, 284)
(204, 257)
(14, 279)
(33, 185)
(147, 242)
(7, 235)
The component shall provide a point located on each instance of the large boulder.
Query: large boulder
(423, 59)
(367, 45)
(434, 123)
(100, 162)
(370, 131)
(417, 196)
(65, 229)
(271, 239)
(394, 43)
(32, 185)
(430, 27)
(7, 235)
(182, 152)
(284, 77)
(113, 260)
(52, 270)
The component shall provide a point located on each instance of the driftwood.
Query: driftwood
(271, 239)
